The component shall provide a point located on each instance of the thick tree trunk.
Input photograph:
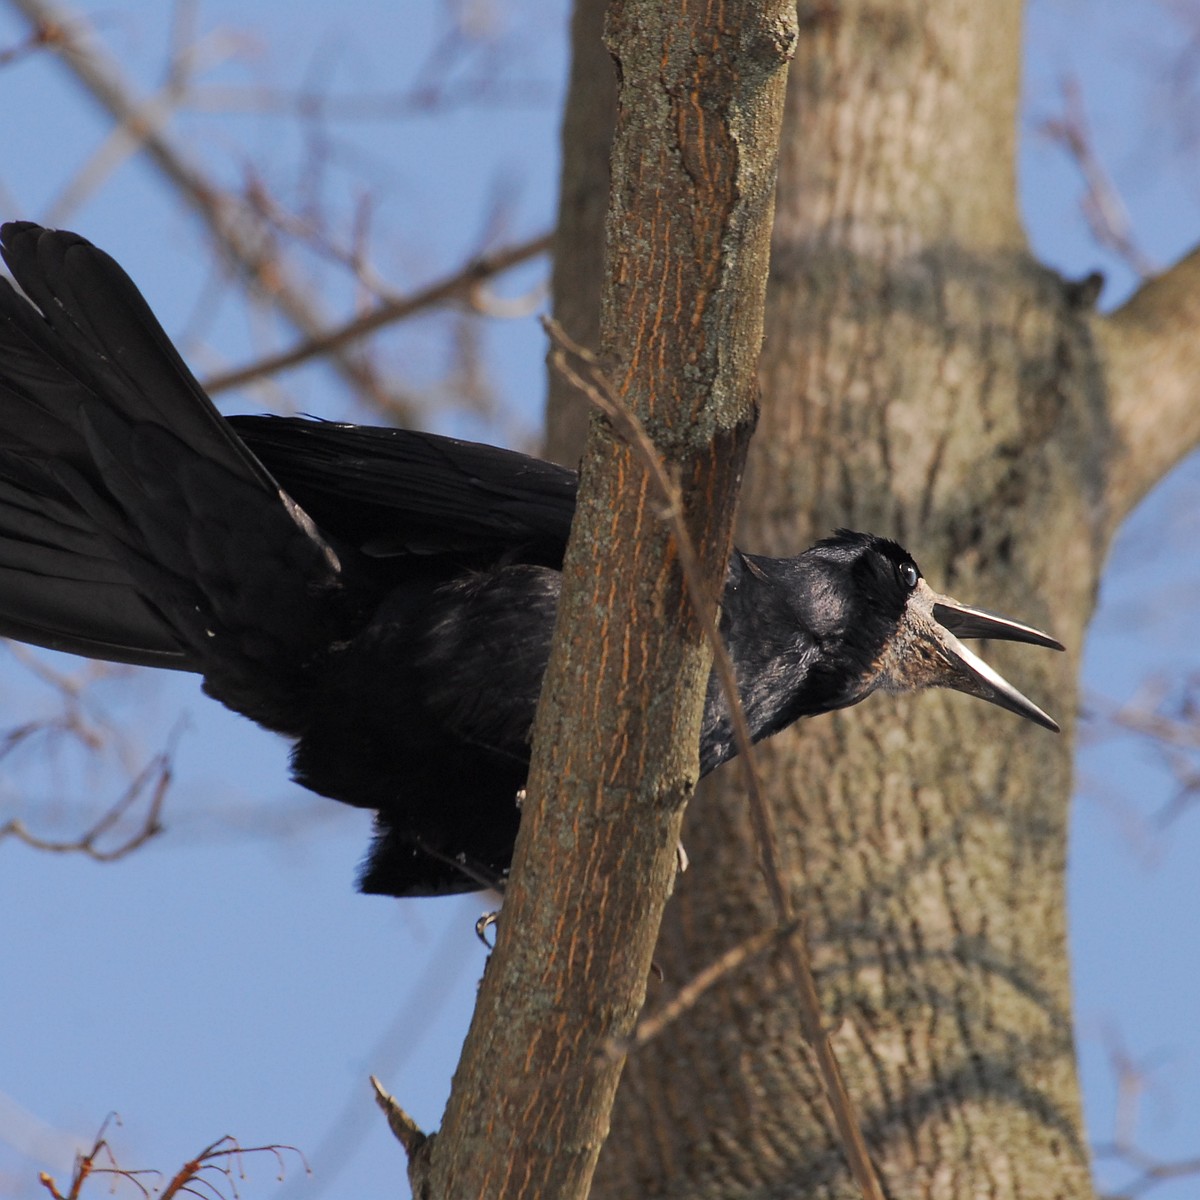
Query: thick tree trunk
(924, 378)
(587, 129)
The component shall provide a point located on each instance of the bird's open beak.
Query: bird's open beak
(967, 672)
(927, 652)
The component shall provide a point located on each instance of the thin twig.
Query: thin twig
(226, 218)
(459, 284)
(193, 1175)
(591, 381)
(732, 961)
(1103, 208)
(156, 775)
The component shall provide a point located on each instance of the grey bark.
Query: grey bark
(923, 376)
(587, 131)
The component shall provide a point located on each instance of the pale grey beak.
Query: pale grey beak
(967, 672)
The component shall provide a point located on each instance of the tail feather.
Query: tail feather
(106, 335)
(60, 584)
(134, 522)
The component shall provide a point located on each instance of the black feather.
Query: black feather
(386, 598)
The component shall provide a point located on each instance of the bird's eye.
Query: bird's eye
(909, 575)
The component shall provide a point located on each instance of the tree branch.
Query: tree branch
(462, 283)
(1153, 358)
(689, 226)
(228, 222)
(1102, 206)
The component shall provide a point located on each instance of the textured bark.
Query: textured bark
(616, 736)
(925, 378)
(586, 141)
(1151, 357)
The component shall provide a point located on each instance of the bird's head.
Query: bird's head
(912, 632)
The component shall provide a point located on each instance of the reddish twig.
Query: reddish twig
(591, 381)
(222, 1158)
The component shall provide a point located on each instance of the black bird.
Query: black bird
(385, 598)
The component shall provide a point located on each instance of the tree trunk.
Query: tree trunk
(689, 222)
(923, 377)
(578, 276)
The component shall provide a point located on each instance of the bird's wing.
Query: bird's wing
(116, 444)
(399, 492)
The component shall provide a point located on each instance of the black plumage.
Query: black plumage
(384, 598)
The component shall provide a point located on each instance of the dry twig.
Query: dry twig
(221, 1159)
(229, 220)
(154, 779)
(460, 284)
(1149, 1171)
(581, 368)
(1103, 208)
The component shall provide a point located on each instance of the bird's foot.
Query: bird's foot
(486, 922)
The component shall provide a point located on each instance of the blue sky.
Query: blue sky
(227, 978)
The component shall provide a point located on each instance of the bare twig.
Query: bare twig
(1103, 208)
(227, 219)
(581, 368)
(222, 1158)
(460, 284)
(729, 963)
(81, 723)
(155, 777)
